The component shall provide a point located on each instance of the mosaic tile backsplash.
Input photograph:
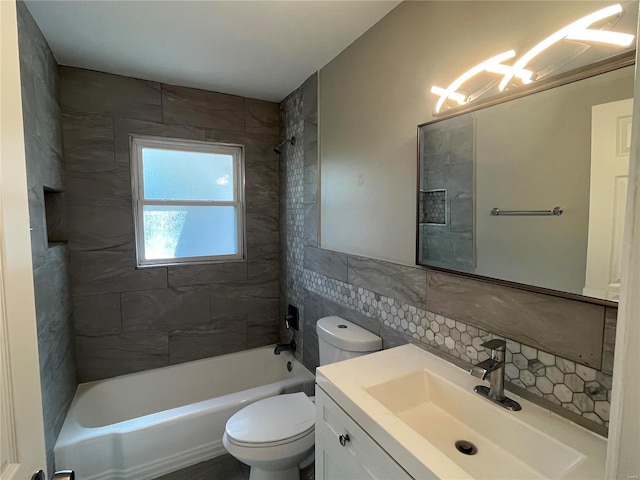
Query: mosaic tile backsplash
(580, 389)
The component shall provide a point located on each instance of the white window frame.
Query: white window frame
(137, 143)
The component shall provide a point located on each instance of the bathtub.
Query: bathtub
(147, 424)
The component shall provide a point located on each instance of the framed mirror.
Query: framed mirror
(531, 190)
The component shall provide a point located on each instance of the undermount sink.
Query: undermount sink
(443, 413)
(416, 406)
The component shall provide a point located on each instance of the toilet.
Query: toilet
(274, 435)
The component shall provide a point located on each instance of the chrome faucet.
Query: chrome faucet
(281, 347)
(494, 367)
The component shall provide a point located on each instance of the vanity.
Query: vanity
(405, 413)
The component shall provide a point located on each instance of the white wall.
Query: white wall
(375, 93)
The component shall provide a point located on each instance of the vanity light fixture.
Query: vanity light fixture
(490, 65)
(602, 36)
(577, 31)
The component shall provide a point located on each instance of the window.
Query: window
(187, 201)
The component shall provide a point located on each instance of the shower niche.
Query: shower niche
(55, 218)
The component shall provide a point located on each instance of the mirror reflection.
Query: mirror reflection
(567, 147)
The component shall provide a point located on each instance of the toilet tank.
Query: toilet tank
(339, 339)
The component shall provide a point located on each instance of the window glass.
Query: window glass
(189, 231)
(188, 201)
(179, 175)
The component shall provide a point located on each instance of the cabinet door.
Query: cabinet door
(358, 458)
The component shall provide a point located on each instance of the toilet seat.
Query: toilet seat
(310, 433)
(272, 421)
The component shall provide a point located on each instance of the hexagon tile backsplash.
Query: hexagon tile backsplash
(582, 390)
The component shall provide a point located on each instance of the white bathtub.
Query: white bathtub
(147, 424)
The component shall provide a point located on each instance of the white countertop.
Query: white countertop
(347, 383)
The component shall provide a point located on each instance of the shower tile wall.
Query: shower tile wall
(560, 352)
(447, 242)
(130, 319)
(298, 177)
(43, 148)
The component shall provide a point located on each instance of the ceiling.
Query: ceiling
(256, 49)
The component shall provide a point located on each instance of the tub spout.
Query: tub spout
(281, 347)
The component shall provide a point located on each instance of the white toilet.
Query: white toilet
(274, 435)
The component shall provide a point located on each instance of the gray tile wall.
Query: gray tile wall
(43, 146)
(560, 351)
(130, 319)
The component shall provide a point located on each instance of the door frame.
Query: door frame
(23, 444)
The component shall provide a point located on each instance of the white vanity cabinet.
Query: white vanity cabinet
(344, 451)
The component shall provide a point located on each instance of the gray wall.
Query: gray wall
(559, 351)
(43, 146)
(129, 319)
(375, 92)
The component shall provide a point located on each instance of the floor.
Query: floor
(225, 467)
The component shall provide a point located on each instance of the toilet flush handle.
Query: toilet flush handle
(64, 475)
(59, 475)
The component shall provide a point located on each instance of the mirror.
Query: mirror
(564, 147)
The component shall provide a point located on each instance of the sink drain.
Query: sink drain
(466, 447)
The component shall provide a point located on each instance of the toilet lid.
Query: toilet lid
(273, 419)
